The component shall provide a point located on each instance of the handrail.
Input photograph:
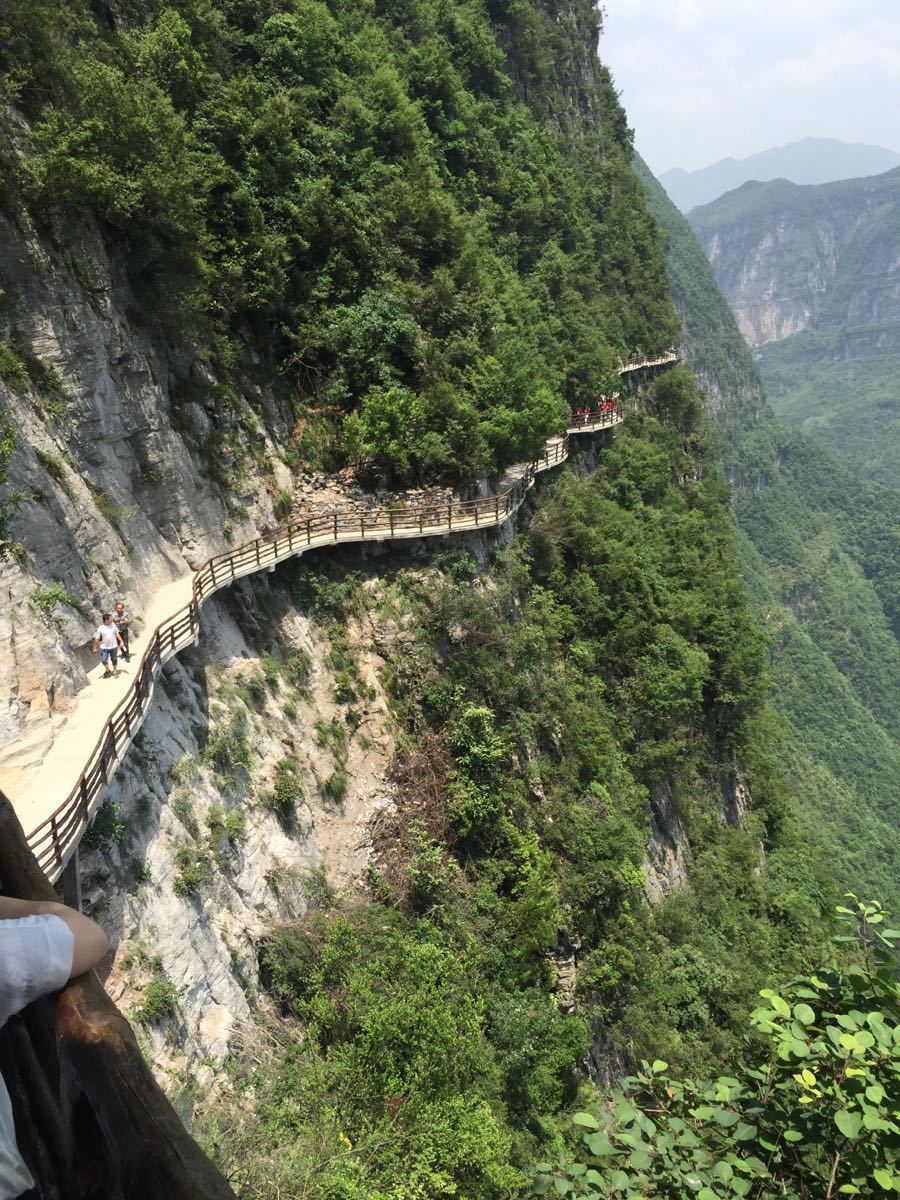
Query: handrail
(638, 363)
(54, 839)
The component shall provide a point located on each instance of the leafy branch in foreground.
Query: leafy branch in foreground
(813, 1114)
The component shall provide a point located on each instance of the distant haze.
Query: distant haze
(813, 160)
(702, 80)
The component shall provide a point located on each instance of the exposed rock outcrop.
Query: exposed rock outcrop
(789, 258)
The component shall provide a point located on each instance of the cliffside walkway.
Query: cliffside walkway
(97, 733)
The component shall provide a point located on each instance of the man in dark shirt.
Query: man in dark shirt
(123, 620)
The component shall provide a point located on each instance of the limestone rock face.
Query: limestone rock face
(789, 258)
(666, 864)
(113, 472)
(186, 904)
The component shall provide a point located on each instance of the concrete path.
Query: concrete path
(37, 789)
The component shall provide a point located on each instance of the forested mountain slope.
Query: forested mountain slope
(243, 242)
(822, 561)
(813, 276)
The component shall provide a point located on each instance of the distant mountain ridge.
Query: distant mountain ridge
(790, 258)
(812, 160)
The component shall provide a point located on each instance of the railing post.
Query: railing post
(308, 531)
(391, 518)
(497, 506)
(54, 830)
(335, 525)
(449, 514)
(83, 798)
(257, 551)
(212, 571)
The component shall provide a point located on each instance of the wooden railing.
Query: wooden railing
(639, 363)
(54, 840)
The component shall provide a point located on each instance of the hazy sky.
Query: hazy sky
(704, 79)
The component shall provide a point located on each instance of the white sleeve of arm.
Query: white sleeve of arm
(35, 958)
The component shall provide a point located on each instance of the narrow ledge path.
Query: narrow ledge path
(104, 719)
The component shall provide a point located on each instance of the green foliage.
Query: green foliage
(229, 749)
(183, 808)
(812, 1112)
(106, 829)
(271, 669)
(8, 502)
(430, 261)
(283, 504)
(716, 350)
(609, 660)
(286, 793)
(251, 687)
(298, 669)
(160, 1000)
(13, 371)
(819, 553)
(393, 1088)
(226, 826)
(194, 870)
(851, 405)
(329, 597)
(335, 786)
(48, 596)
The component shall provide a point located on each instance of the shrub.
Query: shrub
(299, 669)
(160, 1000)
(194, 870)
(811, 1114)
(283, 504)
(271, 669)
(286, 793)
(106, 829)
(226, 829)
(335, 786)
(13, 371)
(184, 769)
(48, 597)
(54, 466)
(461, 567)
(228, 749)
(183, 808)
(251, 688)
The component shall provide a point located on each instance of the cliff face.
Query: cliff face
(791, 257)
(111, 499)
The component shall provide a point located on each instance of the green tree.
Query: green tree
(812, 1112)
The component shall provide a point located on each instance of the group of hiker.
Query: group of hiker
(110, 637)
(587, 412)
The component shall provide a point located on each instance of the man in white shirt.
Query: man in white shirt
(108, 641)
(42, 946)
